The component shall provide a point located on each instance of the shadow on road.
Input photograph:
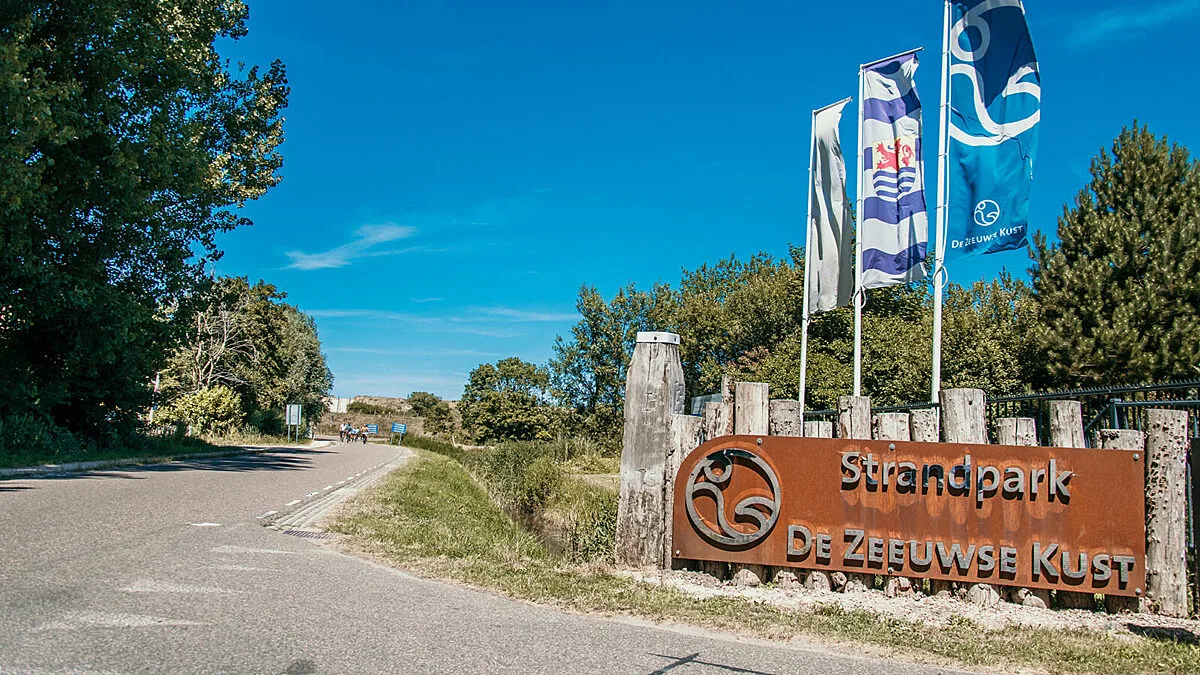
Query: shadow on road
(290, 459)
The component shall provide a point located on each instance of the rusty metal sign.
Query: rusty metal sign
(1054, 518)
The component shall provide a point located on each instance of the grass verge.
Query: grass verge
(433, 518)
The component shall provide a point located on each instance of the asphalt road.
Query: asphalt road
(168, 569)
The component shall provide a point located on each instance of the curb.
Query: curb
(78, 467)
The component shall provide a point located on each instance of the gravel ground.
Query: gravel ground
(926, 609)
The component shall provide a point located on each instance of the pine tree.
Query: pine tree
(1119, 296)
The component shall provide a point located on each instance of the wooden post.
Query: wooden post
(894, 427)
(964, 420)
(816, 579)
(653, 391)
(854, 417)
(728, 396)
(891, 427)
(752, 408)
(854, 421)
(924, 422)
(1066, 431)
(686, 434)
(1016, 431)
(1066, 424)
(1121, 439)
(752, 413)
(1022, 431)
(714, 420)
(785, 418)
(1166, 512)
(818, 429)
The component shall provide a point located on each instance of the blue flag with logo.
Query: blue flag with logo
(995, 107)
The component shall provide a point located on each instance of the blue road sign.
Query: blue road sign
(398, 428)
(372, 428)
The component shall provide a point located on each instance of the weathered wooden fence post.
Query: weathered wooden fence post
(1022, 431)
(728, 401)
(1166, 511)
(924, 422)
(1016, 431)
(1066, 424)
(964, 420)
(1066, 431)
(752, 408)
(895, 426)
(854, 421)
(654, 390)
(785, 418)
(818, 429)
(752, 411)
(714, 420)
(1121, 439)
(686, 434)
(854, 417)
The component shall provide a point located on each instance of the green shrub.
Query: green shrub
(592, 528)
(215, 411)
(538, 483)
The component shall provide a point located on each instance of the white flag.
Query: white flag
(832, 273)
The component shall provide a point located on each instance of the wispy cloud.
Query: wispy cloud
(526, 315)
(1103, 27)
(412, 352)
(364, 245)
(450, 324)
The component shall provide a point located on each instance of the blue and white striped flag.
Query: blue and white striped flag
(895, 226)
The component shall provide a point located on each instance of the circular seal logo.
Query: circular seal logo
(754, 487)
(987, 212)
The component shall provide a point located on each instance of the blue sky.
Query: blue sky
(455, 170)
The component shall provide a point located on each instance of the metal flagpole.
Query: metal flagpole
(859, 295)
(808, 243)
(939, 259)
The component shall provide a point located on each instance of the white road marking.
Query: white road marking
(205, 524)
(247, 549)
(73, 620)
(153, 586)
(312, 493)
(293, 502)
(327, 487)
(268, 513)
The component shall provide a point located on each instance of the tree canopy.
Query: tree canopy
(129, 145)
(1119, 295)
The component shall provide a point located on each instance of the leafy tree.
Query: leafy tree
(439, 419)
(129, 144)
(245, 337)
(422, 402)
(507, 401)
(1119, 296)
(587, 371)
